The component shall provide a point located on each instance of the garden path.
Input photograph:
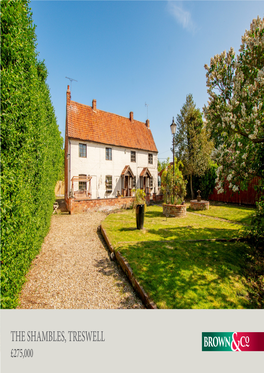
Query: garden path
(73, 269)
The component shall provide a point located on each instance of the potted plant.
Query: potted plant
(139, 204)
(174, 190)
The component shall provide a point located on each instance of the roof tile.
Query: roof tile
(87, 124)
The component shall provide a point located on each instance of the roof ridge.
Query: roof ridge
(108, 112)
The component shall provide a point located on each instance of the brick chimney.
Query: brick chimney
(94, 105)
(147, 123)
(68, 95)
(131, 115)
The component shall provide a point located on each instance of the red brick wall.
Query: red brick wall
(75, 206)
(147, 198)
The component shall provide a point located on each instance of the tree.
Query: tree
(193, 147)
(235, 110)
(163, 165)
(31, 147)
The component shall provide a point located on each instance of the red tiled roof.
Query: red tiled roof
(145, 172)
(87, 124)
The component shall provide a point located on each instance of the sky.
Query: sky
(140, 56)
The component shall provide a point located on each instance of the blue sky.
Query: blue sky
(126, 54)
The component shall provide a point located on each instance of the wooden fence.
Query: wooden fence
(59, 189)
(247, 197)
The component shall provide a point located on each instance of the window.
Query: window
(82, 184)
(151, 182)
(133, 156)
(150, 158)
(108, 184)
(134, 182)
(108, 154)
(82, 150)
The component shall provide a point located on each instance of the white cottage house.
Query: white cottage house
(107, 155)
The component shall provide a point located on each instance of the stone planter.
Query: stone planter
(199, 205)
(176, 211)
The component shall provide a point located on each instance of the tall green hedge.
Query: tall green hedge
(31, 147)
(205, 183)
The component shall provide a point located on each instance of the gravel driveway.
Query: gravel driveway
(73, 269)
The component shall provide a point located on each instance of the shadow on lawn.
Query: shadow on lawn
(187, 232)
(197, 275)
(154, 214)
(246, 220)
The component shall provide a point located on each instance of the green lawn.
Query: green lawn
(122, 227)
(178, 273)
(240, 214)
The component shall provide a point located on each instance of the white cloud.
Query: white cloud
(182, 16)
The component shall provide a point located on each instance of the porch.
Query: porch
(84, 190)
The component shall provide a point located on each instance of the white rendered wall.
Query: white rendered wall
(98, 167)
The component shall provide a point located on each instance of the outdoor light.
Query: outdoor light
(173, 130)
(173, 127)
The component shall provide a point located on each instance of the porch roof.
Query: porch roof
(145, 172)
(81, 178)
(127, 171)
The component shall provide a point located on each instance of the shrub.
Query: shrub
(173, 188)
(30, 149)
(139, 199)
(255, 232)
(207, 182)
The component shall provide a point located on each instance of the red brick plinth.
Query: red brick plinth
(199, 205)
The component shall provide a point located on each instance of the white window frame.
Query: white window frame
(150, 158)
(81, 150)
(133, 156)
(82, 183)
(108, 154)
(108, 183)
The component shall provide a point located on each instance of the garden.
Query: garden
(194, 261)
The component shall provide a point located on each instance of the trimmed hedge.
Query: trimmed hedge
(31, 147)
